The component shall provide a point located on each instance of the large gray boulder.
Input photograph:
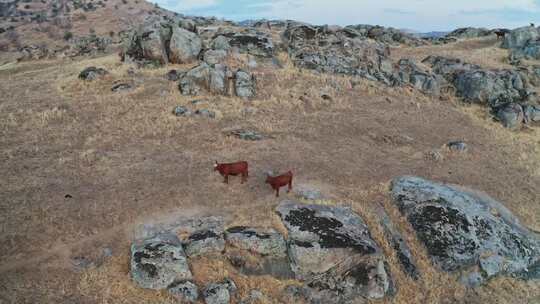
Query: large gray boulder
(196, 80)
(245, 84)
(184, 46)
(448, 67)
(331, 248)
(153, 45)
(510, 115)
(531, 113)
(465, 231)
(220, 43)
(531, 50)
(158, 262)
(520, 37)
(490, 87)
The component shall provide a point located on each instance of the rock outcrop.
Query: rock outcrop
(217, 79)
(92, 73)
(331, 249)
(469, 32)
(159, 262)
(466, 232)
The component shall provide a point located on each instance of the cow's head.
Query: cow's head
(216, 165)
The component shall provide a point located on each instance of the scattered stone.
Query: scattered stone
(185, 292)
(198, 101)
(173, 75)
(245, 85)
(181, 111)
(81, 263)
(246, 135)
(435, 155)
(121, 87)
(158, 262)
(331, 248)
(458, 146)
(92, 73)
(219, 293)
(326, 97)
(205, 113)
(462, 230)
(510, 115)
(395, 238)
(204, 242)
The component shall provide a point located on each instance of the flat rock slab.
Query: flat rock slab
(205, 242)
(158, 262)
(465, 231)
(258, 251)
(331, 249)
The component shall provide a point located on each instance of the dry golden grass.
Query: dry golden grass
(125, 159)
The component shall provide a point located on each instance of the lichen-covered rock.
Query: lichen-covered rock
(409, 73)
(267, 242)
(184, 46)
(490, 87)
(196, 80)
(204, 242)
(510, 115)
(92, 73)
(219, 293)
(458, 146)
(253, 43)
(181, 111)
(532, 113)
(331, 248)
(463, 230)
(519, 37)
(158, 262)
(469, 32)
(220, 43)
(244, 134)
(339, 52)
(185, 292)
(214, 56)
(244, 84)
(448, 67)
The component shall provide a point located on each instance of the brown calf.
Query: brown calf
(238, 168)
(280, 181)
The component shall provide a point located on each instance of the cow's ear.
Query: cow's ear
(216, 164)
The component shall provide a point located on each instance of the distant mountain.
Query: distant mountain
(431, 34)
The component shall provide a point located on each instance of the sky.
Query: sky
(418, 15)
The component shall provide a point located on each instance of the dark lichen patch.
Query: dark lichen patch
(483, 228)
(442, 232)
(327, 229)
(303, 244)
(149, 268)
(248, 232)
(361, 273)
(202, 235)
(139, 255)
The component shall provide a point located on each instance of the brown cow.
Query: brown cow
(234, 169)
(280, 181)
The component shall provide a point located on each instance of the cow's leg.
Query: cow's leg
(277, 192)
(226, 181)
(290, 187)
(244, 177)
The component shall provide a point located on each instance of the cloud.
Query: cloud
(423, 15)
